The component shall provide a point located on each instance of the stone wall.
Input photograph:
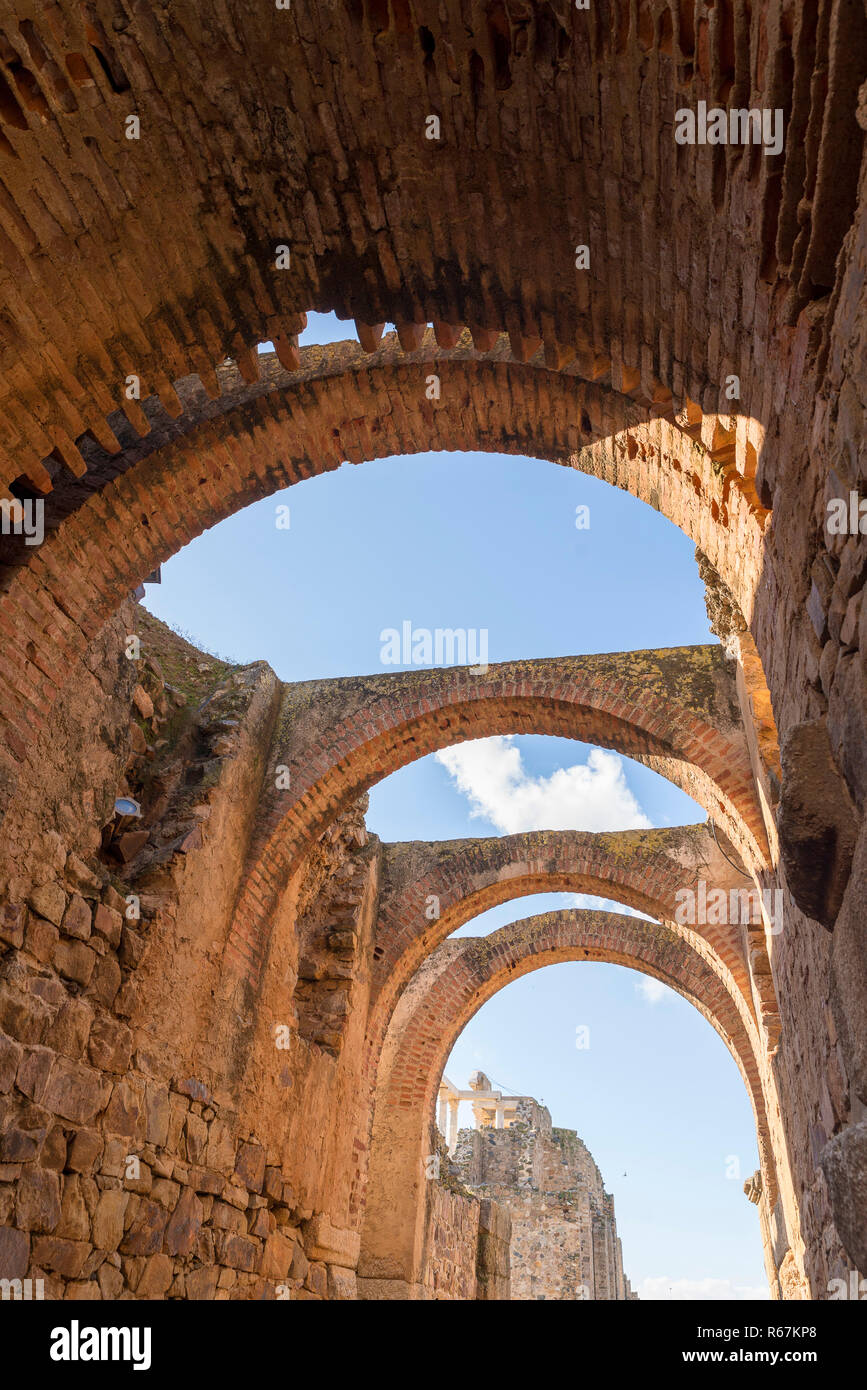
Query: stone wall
(564, 1242)
(467, 1239)
(452, 1244)
(146, 1130)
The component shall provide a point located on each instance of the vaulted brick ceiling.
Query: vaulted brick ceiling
(305, 127)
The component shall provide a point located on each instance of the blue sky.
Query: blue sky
(489, 541)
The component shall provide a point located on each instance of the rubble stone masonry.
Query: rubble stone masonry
(564, 1236)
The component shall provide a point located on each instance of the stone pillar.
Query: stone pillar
(501, 1111)
(442, 1111)
(453, 1124)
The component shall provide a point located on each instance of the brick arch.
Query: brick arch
(442, 998)
(671, 710)
(642, 869)
(219, 456)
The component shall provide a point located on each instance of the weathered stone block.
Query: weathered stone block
(273, 1184)
(83, 1291)
(817, 822)
(10, 1060)
(54, 1150)
(201, 1284)
(220, 1152)
(81, 877)
(12, 920)
(228, 1218)
(75, 1092)
(277, 1256)
(298, 1267)
(74, 1221)
(341, 1284)
(192, 1089)
(260, 1223)
(108, 1218)
(66, 1257)
(110, 1281)
(237, 1251)
(106, 981)
(322, 1241)
(125, 1112)
(166, 1192)
(75, 961)
(143, 702)
(41, 938)
(156, 1277)
(18, 1145)
(156, 1114)
(34, 1072)
(207, 1180)
(69, 1031)
(141, 1184)
(108, 923)
(844, 1163)
(49, 901)
(250, 1166)
(184, 1225)
(14, 1253)
(85, 1151)
(317, 1279)
(111, 1044)
(38, 1200)
(145, 1235)
(132, 948)
(77, 918)
(22, 1016)
(196, 1137)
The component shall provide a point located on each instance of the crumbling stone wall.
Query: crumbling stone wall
(467, 1239)
(452, 1243)
(467, 1245)
(143, 1137)
(564, 1243)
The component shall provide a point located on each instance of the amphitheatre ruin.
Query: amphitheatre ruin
(225, 1012)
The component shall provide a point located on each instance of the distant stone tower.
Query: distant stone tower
(564, 1234)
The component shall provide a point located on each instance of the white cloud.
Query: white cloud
(594, 904)
(706, 1290)
(587, 796)
(654, 991)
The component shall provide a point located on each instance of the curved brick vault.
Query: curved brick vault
(135, 509)
(306, 128)
(641, 868)
(673, 710)
(451, 986)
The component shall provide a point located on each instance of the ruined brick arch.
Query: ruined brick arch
(643, 869)
(671, 710)
(219, 456)
(441, 999)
